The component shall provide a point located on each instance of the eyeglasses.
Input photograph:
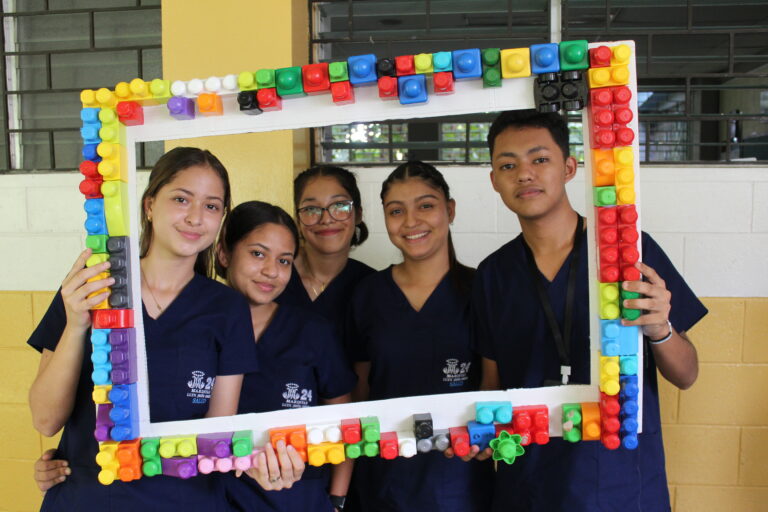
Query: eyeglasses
(339, 211)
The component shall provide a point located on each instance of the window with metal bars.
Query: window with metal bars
(702, 71)
(53, 49)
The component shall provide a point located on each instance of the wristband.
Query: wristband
(665, 338)
(338, 501)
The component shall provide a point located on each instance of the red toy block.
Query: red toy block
(607, 244)
(112, 318)
(342, 93)
(316, 78)
(295, 436)
(627, 221)
(388, 445)
(350, 431)
(268, 100)
(443, 82)
(130, 113)
(460, 440)
(509, 428)
(129, 457)
(388, 88)
(90, 187)
(209, 104)
(404, 65)
(609, 418)
(600, 57)
(531, 422)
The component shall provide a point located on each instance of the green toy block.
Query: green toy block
(574, 55)
(507, 447)
(160, 89)
(242, 443)
(246, 81)
(572, 422)
(491, 58)
(626, 313)
(150, 447)
(605, 196)
(265, 78)
(96, 243)
(370, 449)
(354, 451)
(151, 465)
(370, 428)
(338, 71)
(288, 82)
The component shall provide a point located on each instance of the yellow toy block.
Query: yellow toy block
(178, 446)
(608, 77)
(620, 54)
(97, 258)
(106, 98)
(88, 98)
(123, 91)
(625, 194)
(603, 168)
(160, 90)
(246, 81)
(103, 304)
(609, 375)
(590, 421)
(625, 175)
(609, 301)
(423, 63)
(319, 454)
(116, 207)
(100, 394)
(113, 161)
(107, 459)
(515, 63)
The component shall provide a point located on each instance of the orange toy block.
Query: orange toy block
(590, 421)
(129, 457)
(103, 304)
(209, 104)
(603, 168)
(295, 436)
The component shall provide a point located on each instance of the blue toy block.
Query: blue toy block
(125, 412)
(90, 133)
(545, 58)
(480, 434)
(412, 89)
(95, 222)
(628, 336)
(628, 365)
(609, 337)
(467, 64)
(629, 408)
(90, 115)
(488, 412)
(89, 153)
(442, 61)
(100, 357)
(362, 69)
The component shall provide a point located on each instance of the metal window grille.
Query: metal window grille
(52, 49)
(702, 66)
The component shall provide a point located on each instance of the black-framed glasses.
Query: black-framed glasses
(340, 211)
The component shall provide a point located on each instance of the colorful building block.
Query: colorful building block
(88, 98)
(315, 78)
(218, 444)
(609, 375)
(555, 91)
(460, 440)
(362, 69)
(628, 365)
(242, 443)
(104, 304)
(120, 270)
(110, 125)
(467, 64)
(388, 445)
(116, 207)
(442, 62)
(113, 162)
(443, 82)
(545, 58)
(412, 89)
(160, 90)
(351, 432)
(248, 102)
(609, 300)
(629, 408)
(152, 464)
(608, 76)
(269, 100)
(603, 167)
(89, 152)
(574, 55)
(246, 81)
(515, 62)
(590, 421)
(337, 71)
(178, 446)
(100, 394)
(90, 187)
(531, 422)
(609, 420)
(507, 447)
(207, 465)
(404, 65)
(605, 196)
(209, 104)
(407, 445)
(572, 422)
(342, 93)
(609, 337)
(354, 450)
(181, 108)
(387, 87)
(107, 460)
(480, 434)
(600, 57)
(422, 63)
(123, 356)
(95, 223)
(129, 459)
(422, 426)
(95, 259)
(181, 467)
(371, 431)
(112, 318)
(324, 433)
(295, 436)
(125, 412)
(439, 441)
(288, 82)
(100, 357)
(265, 79)
(488, 412)
(130, 113)
(103, 422)
(319, 454)
(385, 67)
(628, 340)
(96, 243)
(491, 60)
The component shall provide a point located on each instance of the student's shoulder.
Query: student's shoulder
(503, 255)
(358, 269)
(216, 293)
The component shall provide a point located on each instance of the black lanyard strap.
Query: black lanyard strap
(562, 339)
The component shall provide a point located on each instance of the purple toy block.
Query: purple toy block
(123, 356)
(103, 422)
(181, 467)
(181, 108)
(215, 445)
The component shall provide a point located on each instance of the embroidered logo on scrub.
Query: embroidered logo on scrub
(200, 387)
(456, 372)
(295, 398)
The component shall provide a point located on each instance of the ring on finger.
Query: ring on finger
(275, 479)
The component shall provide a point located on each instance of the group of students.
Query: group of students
(303, 323)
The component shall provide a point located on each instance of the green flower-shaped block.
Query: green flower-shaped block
(506, 447)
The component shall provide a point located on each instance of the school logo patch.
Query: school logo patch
(295, 397)
(200, 387)
(455, 372)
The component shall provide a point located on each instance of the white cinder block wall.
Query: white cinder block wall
(712, 221)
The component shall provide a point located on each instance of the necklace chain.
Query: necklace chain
(157, 304)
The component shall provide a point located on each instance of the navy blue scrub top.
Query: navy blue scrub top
(206, 331)
(334, 301)
(510, 328)
(415, 353)
(301, 362)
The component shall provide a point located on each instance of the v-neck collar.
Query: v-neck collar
(404, 298)
(172, 305)
(327, 286)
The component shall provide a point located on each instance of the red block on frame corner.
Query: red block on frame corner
(316, 78)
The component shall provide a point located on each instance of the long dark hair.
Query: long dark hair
(461, 275)
(166, 168)
(245, 218)
(347, 181)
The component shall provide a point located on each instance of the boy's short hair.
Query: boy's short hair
(553, 122)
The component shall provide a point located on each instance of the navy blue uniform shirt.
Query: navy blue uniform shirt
(510, 328)
(301, 362)
(206, 331)
(415, 353)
